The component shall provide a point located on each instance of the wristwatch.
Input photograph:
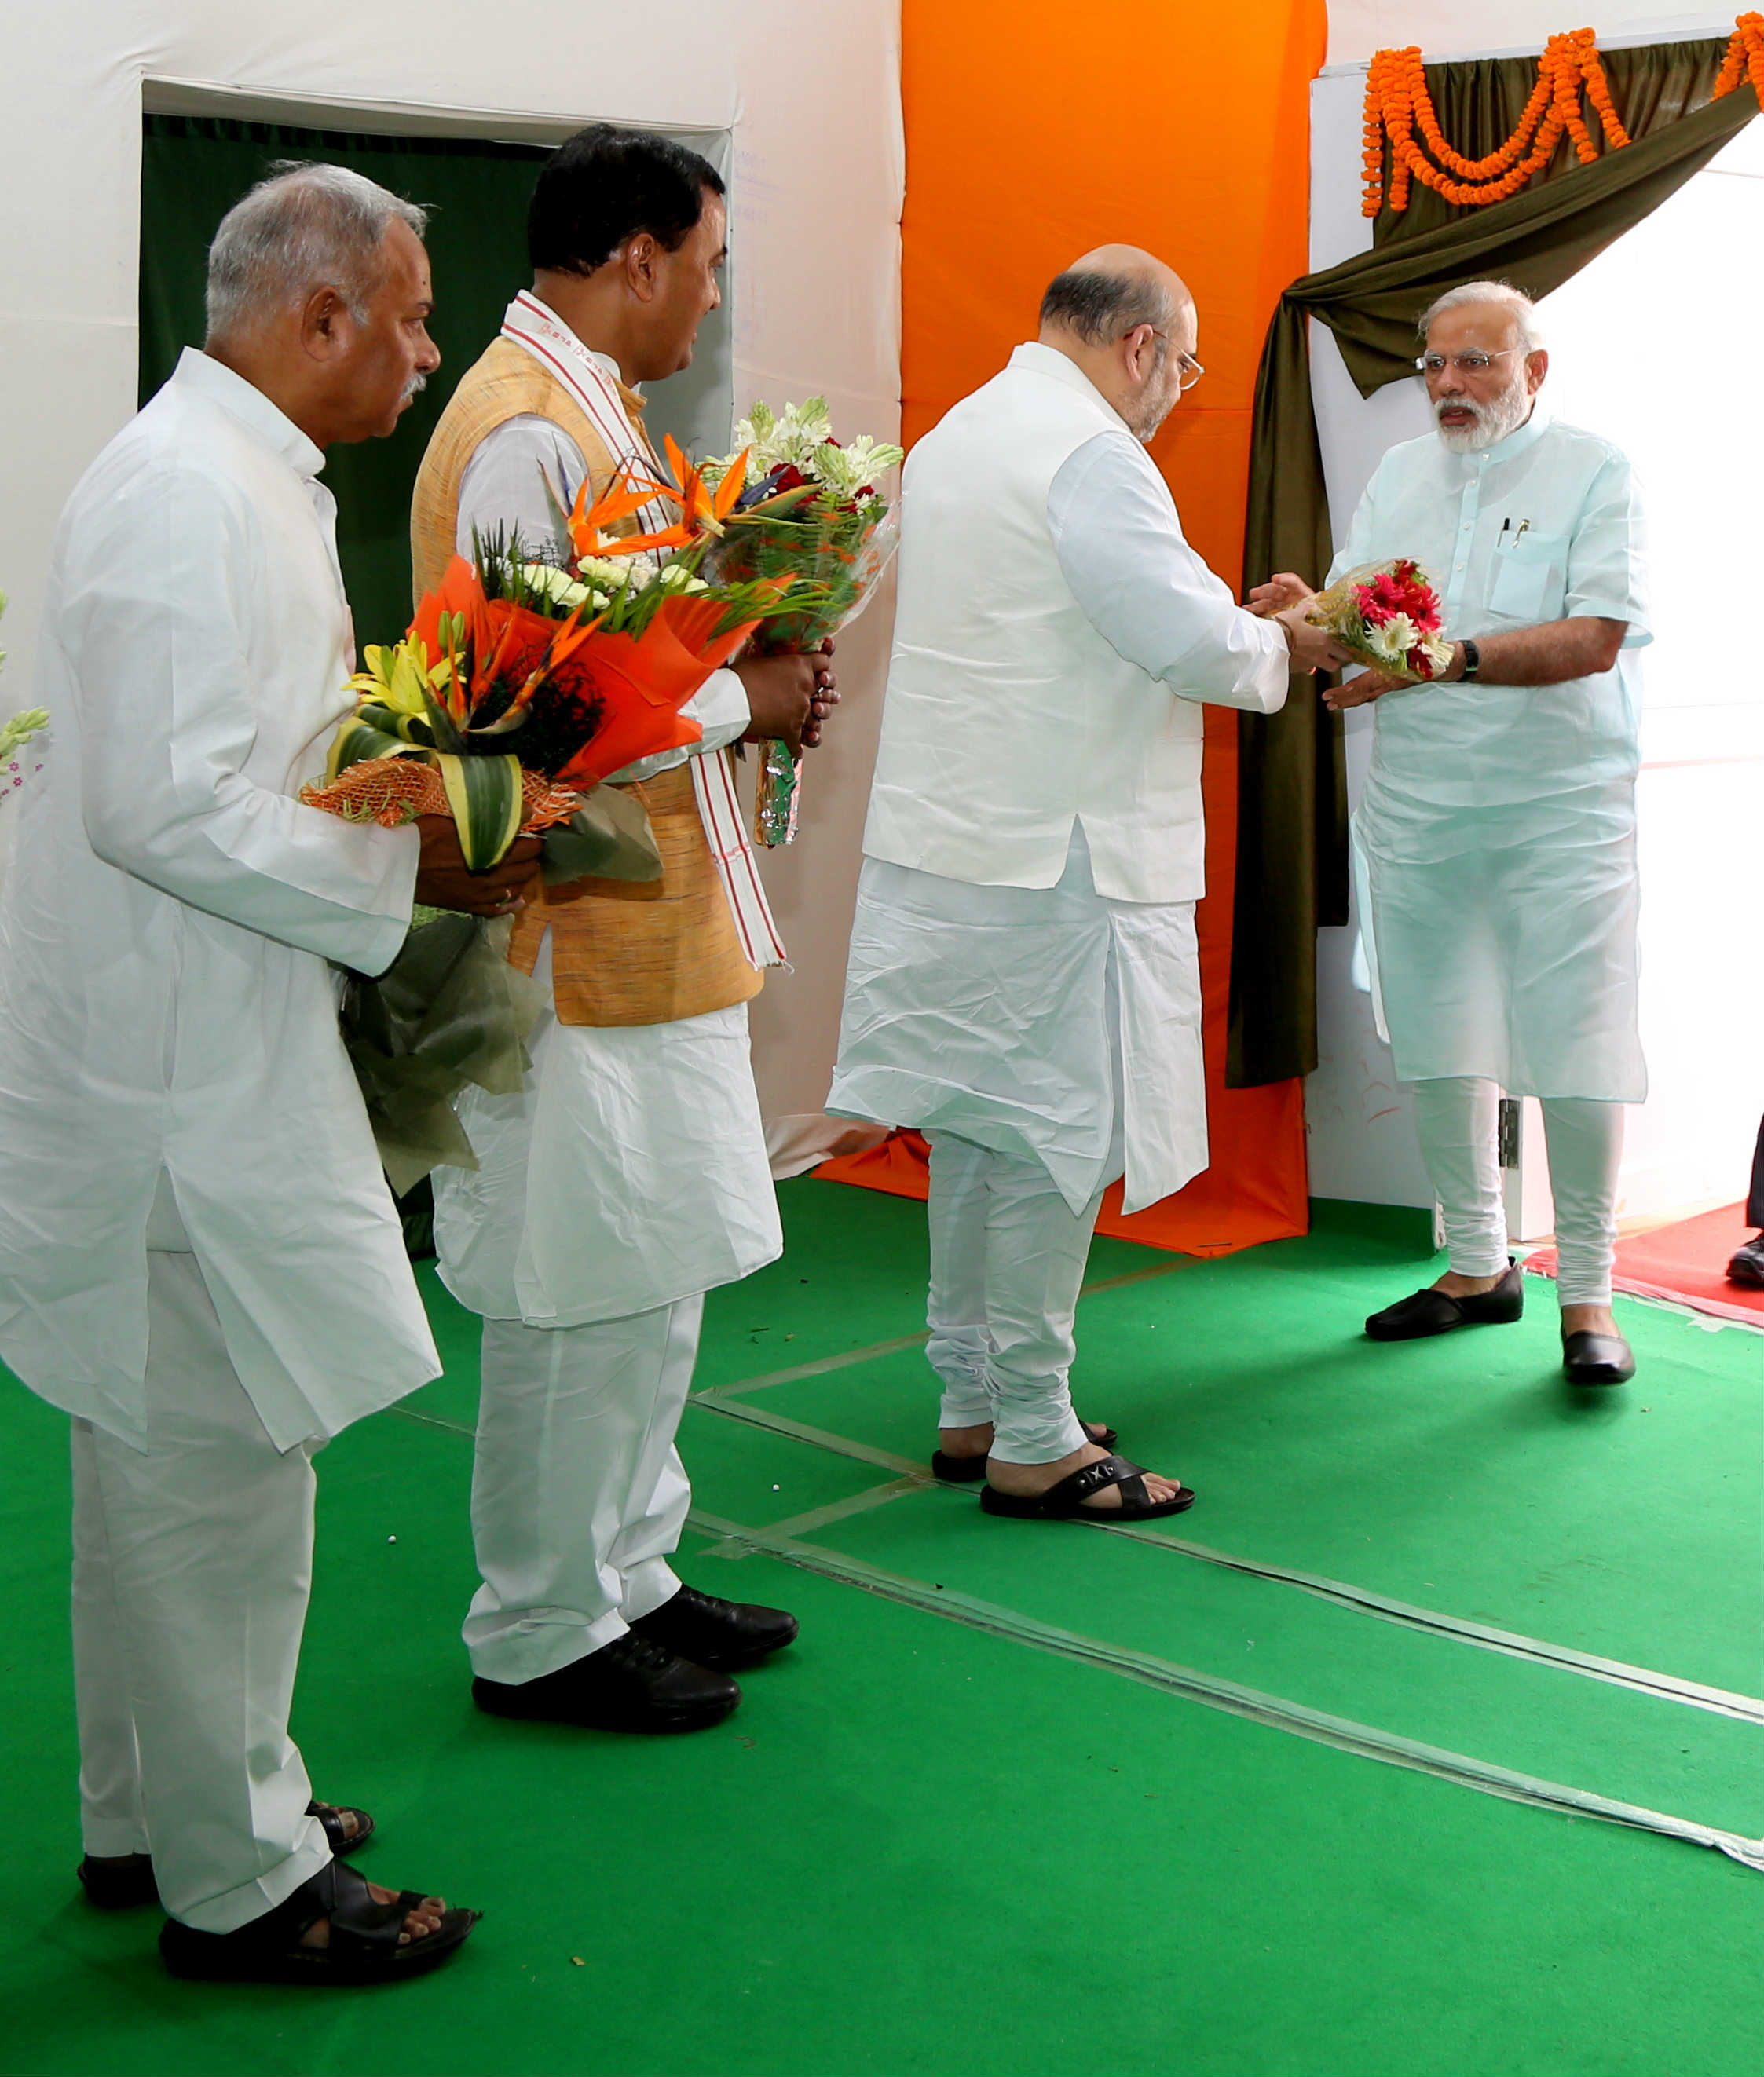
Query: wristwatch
(1473, 659)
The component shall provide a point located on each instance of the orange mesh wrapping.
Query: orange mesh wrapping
(392, 791)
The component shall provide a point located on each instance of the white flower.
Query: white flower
(1392, 642)
(614, 572)
(557, 585)
(677, 577)
(803, 438)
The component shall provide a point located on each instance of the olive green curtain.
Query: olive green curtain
(1291, 874)
(194, 169)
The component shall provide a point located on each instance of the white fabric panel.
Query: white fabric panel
(816, 186)
(1498, 28)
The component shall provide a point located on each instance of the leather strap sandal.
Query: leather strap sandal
(1590, 1358)
(964, 1471)
(1064, 1501)
(126, 1882)
(1424, 1312)
(364, 1946)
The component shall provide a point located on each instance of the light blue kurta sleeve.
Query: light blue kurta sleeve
(1607, 554)
(1122, 550)
(505, 490)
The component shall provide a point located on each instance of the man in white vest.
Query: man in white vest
(1024, 985)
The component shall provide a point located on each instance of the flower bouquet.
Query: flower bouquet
(1385, 615)
(814, 513)
(518, 686)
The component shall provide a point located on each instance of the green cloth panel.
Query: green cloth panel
(1482, 100)
(194, 168)
(1292, 819)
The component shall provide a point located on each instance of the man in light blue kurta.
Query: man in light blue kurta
(1494, 840)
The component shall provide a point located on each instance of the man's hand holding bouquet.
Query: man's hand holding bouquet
(1384, 615)
(518, 687)
(813, 515)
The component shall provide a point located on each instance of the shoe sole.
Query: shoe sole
(1024, 1507)
(187, 1956)
(1451, 1327)
(664, 1721)
(742, 1661)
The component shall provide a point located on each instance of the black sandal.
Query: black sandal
(126, 1884)
(364, 1948)
(964, 1471)
(1064, 1501)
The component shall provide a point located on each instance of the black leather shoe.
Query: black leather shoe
(631, 1684)
(1436, 1313)
(1590, 1358)
(723, 1635)
(1745, 1265)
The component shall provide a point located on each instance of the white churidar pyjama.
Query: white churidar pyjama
(1007, 1257)
(626, 1178)
(578, 1495)
(192, 1563)
(1456, 1117)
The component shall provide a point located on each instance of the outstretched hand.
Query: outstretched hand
(1369, 685)
(1312, 648)
(1282, 591)
(444, 881)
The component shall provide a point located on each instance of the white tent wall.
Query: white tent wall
(1361, 1138)
(1359, 27)
(812, 96)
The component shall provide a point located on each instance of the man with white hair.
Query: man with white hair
(199, 1258)
(1023, 984)
(1494, 840)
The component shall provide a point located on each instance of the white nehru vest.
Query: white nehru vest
(1009, 717)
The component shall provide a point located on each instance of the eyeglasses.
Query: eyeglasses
(1188, 370)
(1466, 363)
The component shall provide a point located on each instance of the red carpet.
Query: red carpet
(1686, 1262)
(1211, 1217)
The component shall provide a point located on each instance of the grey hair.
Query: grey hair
(1518, 306)
(307, 227)
(1102, 307)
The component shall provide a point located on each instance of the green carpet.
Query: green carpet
(920, 1848)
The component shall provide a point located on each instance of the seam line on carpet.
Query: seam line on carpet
(1368, 1742)
(867, 1354)
(1360, 1601)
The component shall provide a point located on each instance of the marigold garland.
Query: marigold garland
(1398, 104)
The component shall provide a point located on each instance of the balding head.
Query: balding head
(1128, 320)
(1106, 294)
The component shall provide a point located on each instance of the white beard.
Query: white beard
(1494, 421)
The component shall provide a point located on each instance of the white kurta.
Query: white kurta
(166, 1008)
(1030, 1019)
(631, 1170)
(1495, 839)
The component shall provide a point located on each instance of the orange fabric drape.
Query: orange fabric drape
(1034, 133)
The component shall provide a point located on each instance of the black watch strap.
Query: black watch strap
(1473, 662)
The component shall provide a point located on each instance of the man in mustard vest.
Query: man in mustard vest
(629, 1176)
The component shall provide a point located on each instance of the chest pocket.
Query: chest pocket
(1530, 577)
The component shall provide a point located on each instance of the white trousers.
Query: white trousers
(1456, 1117)
(192, 1563)
(578, 1495)
(1007, 1257)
